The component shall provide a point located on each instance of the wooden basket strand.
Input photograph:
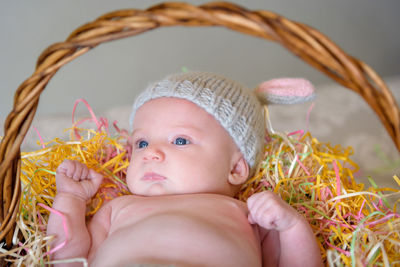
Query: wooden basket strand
(304, 41)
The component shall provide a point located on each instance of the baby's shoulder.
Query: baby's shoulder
(119, 202)
(113, 206)
(122, 200)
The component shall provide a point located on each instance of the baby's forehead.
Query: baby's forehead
(176, 113)
(176, 110)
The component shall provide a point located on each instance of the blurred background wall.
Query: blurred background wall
(113, 73)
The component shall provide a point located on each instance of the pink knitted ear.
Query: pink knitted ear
(285, 91)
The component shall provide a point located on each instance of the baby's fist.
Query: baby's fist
(77, 179)
(270, 212)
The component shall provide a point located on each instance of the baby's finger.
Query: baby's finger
(71, 168)
(253, 200)
(260, 214)
(254, 214)
(85, 173)
(96, 178)
(77, 175)
(250, 219)
(259, 200)
(66, 168)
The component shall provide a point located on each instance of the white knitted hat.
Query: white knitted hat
(235, 107)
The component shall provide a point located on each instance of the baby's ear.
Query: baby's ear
(239, 171)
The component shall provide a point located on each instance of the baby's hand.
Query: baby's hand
(271, 212)
(75, 178)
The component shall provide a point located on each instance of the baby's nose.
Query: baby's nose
(153, 153)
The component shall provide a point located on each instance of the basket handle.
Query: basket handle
(302, 40)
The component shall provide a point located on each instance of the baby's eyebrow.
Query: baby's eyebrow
(134, 132)
(179, 127)
(189, 128)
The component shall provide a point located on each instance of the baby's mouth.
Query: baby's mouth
(152, 176)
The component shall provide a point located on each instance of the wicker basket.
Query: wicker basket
(304, 41)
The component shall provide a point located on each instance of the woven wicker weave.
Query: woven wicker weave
(304, 41)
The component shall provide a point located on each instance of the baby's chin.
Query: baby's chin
(160, 191)
(153, 191)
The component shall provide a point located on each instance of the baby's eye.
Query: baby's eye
(142, 144)
(180, 141)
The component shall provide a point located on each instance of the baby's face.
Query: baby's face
(179, 148)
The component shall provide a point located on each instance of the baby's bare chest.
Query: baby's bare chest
(204, 208)
(182, 228)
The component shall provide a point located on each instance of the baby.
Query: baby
(196, 137)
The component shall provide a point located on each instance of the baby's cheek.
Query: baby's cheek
(130, 178)
(132, 168)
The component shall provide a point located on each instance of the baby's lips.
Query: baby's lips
(152, 176)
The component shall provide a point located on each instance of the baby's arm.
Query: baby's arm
(287, 236)
(75, 185)
(99, 227)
